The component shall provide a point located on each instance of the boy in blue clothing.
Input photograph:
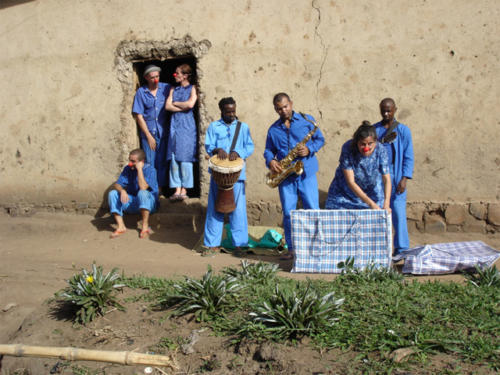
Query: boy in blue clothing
(401, 161)
(136, 190)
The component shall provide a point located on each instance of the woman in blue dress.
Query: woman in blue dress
(362, 180)
(181, 148)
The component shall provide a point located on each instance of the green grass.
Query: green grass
(381, 312)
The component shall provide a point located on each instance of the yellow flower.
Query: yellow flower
(90, 279)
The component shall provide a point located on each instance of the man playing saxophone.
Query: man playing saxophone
(282, 137)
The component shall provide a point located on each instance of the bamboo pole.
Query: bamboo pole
(78, 354)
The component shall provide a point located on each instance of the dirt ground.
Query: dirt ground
(39, 253)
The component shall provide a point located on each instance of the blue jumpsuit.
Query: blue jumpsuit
(220, 135)
(152, 108)
(280, 140)
(401, 165)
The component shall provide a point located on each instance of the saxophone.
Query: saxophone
(287, 165)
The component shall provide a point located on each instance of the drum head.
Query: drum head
(225, 166)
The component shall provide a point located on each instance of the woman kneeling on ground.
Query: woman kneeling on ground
(362, 179)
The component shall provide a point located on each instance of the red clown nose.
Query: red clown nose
(157, 80)
(175, 74)
(366, 149)
(130, 164)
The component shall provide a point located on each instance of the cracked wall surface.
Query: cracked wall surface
(67, 87)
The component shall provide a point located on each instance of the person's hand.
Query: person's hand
(401, 186)
(139, 165)
(374, 206)
(221, 154)
(275, 166)
(124, 196)
(152, 143)
(302, 150)
(233, 155)
(387, 207)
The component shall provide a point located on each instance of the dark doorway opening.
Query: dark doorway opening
(168, 67)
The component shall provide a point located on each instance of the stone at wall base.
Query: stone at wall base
(434, 224)
(453, 228)
(473, 225)
(455, 214)
(415, 211)
(494, 213)
(412, 227)
(478, 210)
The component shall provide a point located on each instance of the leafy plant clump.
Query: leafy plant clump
(486, 276)
(372, 273)
(260, 272)
(292, 313)
(205, 298)
(92, 293)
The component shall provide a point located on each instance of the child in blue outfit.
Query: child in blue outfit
(181, 147)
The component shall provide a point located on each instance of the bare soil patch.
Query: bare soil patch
(39, 253)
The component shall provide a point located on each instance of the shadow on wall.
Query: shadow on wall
(10, 3)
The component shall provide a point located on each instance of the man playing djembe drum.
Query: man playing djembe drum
(219, 140)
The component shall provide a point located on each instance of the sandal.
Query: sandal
(210, 251)
(182, 197)
(144, 233)
(117, 233)
(174, 198)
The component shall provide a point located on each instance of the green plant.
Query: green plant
(92, 293)
(295, 313)
(486, 276)
(205, 298)
(261, 272)
(370, 273)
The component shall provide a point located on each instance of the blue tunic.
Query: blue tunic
(182, 136)
(368, 171)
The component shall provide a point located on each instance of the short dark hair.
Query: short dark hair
(365, 130)
(280, 96)
(388, 100)
(141, 155)
(225, 101)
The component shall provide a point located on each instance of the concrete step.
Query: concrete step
(190, 205)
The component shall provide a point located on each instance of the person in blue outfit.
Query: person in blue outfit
(149, 112)
(400, 151)
(218, 140)
(181, 149)
(282, 136)
(362, 179)
(136, 190)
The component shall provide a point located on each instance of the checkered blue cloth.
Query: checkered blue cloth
(441, 258)
(323, 238)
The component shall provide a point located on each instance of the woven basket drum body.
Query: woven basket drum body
(225, 174)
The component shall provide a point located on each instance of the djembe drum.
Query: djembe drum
(225, 174)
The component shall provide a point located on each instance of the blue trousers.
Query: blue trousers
(144, 200)
(214, 221)
(398, 207)
(157, 158)
(304, 186)
(181, 174)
